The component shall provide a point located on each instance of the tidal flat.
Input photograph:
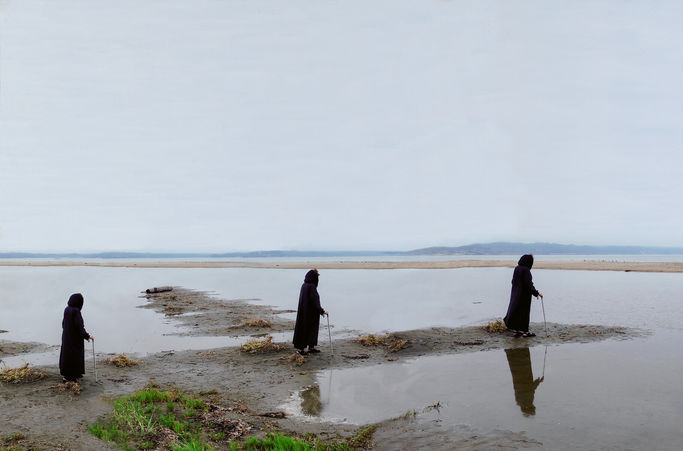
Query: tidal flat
(605, 377)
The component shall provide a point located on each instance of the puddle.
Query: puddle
(614, 394)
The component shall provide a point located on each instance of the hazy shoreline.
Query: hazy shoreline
(664, 267)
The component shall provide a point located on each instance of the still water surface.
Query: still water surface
(32, 299)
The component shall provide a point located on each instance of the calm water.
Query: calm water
(32, 299)
(611, 395)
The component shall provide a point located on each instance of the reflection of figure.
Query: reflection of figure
(517, 317)
(310, 403)
(308, 315)
(519, 360)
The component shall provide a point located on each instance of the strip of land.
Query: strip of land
(585, 265)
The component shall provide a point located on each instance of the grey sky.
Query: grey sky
(209, 125)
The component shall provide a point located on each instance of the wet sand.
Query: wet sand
(588, 265)
(257, 383)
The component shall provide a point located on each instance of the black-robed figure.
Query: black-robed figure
(308, 314)
(517, 317)
(519, 360)
(72, 355)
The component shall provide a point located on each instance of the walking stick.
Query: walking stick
(94, 365)
(329, 334)
(545, 325)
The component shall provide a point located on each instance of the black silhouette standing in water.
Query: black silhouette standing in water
(519, 360)
(72, 355)
(308, 315)
(517, 317)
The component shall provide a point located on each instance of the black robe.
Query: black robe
(72, 355)
(308, 313)
(517, 317)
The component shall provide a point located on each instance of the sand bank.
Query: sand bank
(586, 265)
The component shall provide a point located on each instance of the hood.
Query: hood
(312, 277)
(76, 300)
(526, 260)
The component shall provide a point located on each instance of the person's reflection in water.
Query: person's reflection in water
(311, 404)
(519, 360)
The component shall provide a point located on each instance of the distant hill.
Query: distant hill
(501, 248)
(254, 254)
(504, 248)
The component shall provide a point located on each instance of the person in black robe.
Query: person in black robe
(517, 317)
(308, 315)
(523, 382)
(72, 355)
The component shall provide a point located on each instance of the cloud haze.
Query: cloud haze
(236, 125)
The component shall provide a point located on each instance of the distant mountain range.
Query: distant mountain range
(544, 249)
(501, 248)
(254, 254)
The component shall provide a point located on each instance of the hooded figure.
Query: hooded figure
(308, 314)
(72, 355)
(517, 317)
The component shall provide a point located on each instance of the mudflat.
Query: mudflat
(584, 265)
(252, 386)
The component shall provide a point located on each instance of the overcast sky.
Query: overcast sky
(221, 125)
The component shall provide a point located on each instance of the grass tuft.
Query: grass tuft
(256, 346)
(297, 359)
(391, 342)
(363, 438)
(257, 323)
(21, 375)
(122, 361)
(154, 419)
(69, 387)
(497, 326)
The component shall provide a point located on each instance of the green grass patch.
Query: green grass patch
(169, 419)
(153, 418)
(276, 441)
(279, 442)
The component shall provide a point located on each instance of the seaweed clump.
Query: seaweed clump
(497, 326)
(21, 375)
(297, 359)
(122, 361)
(257, 323)
(391, 342)
(256, 346)
(69, 387)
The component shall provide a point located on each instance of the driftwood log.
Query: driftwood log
(158, 289)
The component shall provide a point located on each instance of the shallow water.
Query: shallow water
(611, 395)
(32, 300)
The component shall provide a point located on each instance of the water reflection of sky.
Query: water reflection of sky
(613, 394)
(32, 299)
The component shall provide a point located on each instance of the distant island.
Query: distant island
(498, 248)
